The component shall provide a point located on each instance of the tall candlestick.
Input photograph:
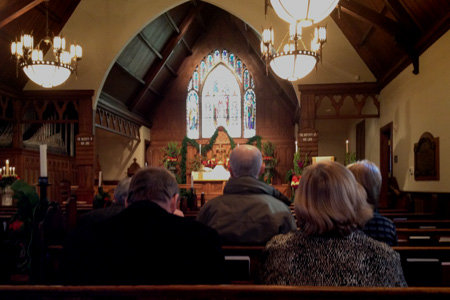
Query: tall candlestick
(296, 146)
(200, 149)
(14, 171)
(192, 181)
(7, 167)
(346, 146)
(100, 178)
(43, 158)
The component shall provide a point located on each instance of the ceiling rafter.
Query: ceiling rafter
(20, 12)
(167, 51)
(172, 22)
(145, 40)
(366, 14)
(371, 29)
(129, 72)
(402, 15)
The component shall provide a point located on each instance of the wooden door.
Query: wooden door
(385, 162)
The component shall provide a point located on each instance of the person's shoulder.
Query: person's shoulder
(366, 242)
(283, 240)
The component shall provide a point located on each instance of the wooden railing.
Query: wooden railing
(168, 292)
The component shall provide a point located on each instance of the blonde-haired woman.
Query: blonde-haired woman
(329, 249)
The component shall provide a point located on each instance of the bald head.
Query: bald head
(245, 160)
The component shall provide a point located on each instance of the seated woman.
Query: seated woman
(329, 249)
(379, 227)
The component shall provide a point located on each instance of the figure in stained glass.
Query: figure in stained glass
(250, 110)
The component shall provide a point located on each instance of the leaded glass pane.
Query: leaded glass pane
(196, 80)
(246, 79)
(216, 57)
(249, 113)
(202, 70)
(221, 103)
(210, 62)
(239, 69)
(232, 60)
(192, 115)
(190, 85)
(225, 56)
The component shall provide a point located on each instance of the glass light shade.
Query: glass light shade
(307, 12)
(47, 74)
(294, 65)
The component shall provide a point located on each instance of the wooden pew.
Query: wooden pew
(423, 237)
(410, 216)
(231, 292)
(422, 224)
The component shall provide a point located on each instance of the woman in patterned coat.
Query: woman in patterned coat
(330, 249)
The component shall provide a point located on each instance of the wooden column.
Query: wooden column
(308, 138)
(85, 151)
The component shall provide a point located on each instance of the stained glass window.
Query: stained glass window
(202, 70)
(221, 103)
(232, 61)
(239, 69)
(215, 89)
(249, 113)
(210, 62)
(246, 79)
(195, 80)
(216, 56)
(192, 115)
(225, 56)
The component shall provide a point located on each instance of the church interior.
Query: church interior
(179, 84)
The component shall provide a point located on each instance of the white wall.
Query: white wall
(116, 152)
(417, 104)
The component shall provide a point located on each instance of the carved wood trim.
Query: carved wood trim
(109, 121)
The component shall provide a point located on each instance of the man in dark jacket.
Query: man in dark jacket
(146, 243)
(249, 211)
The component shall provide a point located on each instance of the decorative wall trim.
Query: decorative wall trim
(110, 121)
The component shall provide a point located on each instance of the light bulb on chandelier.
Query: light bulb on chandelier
(296, 61)
(46, 73)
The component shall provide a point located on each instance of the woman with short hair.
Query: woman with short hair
(329, 249)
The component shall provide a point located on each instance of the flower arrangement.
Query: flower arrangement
(210, 163)
(101, 199)
(293, 176)
(269, 153)
(171, 153)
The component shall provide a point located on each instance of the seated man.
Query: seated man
(247, 212)
(145, 243)
(379, 227)
(100, 214)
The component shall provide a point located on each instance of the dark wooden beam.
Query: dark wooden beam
(371, 29)
(128, 71)
(20, 12)
(167, 51)
(366, 14)
(186, 46)
(171, 70)
(402, 15)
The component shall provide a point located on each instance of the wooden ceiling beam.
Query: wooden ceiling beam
(167, 51)
(366, 14)
(402, 15)
(149, 45)
(172, 22)
(20, 12)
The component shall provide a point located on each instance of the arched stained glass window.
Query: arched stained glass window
(202, 70)
(246, 79)
(232, 61)
(225, 56)
(221, 93)
(210, 63)
(239, 69)
(249, 113)
(192, 116)
(196, 80)
(216, 56)
(221, 103)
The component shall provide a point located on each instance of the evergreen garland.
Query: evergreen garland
(209, 146)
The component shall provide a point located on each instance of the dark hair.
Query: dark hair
(152, 184)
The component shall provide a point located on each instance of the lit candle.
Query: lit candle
(1, 171)
(10, 171)
(346, 146)
(7, 167)
(14, 171)
(43, 159)
(296, 146)
(99, 178)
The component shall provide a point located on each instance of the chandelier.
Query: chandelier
(296, 61)
(46, 73)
